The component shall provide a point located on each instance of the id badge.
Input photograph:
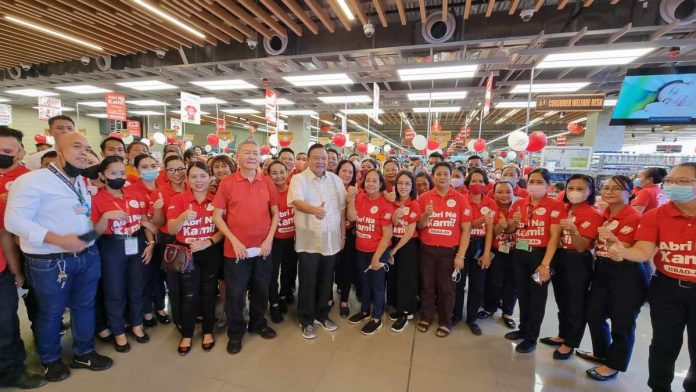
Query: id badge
(81, 209)
(504, 248)
(131, 245)
(522, 245)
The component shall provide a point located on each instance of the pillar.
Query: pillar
(300, 128)
(600, 136)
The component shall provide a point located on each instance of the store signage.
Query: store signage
(465, 132)
(271, 107)
(49, 107)
(175, 124)
(5, 114)
(220, 125)
(284, 138)
(323, 140)
(562, 141)
(674, 148)
(488, 96)
(134, 127)
(571, 102)
(358, 137)
(378, 141)
(115, 106)
(436, 127)
(442, 137)
(410, 134)
(190, 108)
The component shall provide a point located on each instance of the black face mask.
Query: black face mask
(115, 183)
(6, 161)
(91, 172)
(71, 170)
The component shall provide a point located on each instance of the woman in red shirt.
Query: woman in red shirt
(618, 289)
(536, 224)
(647, 189)
(347, 270)
(190, 216)
(424, 183)
(283, 250)
(220, 166)
(458, 179)
(402, 279)
(573, 264)
(390, 169)
(372, 214)
(117, 214)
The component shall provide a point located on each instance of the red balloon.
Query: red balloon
(503, 154)
(433, 144)
(213, 139)
(171, 139)
(480, 145)
(115, 134)
(528, 169)
(284, 142)
(362, 147)
(265, 150)
(576, 129)
(325, 128)
(40, 138)
(339, 139)
(520, 155)
(537, 141)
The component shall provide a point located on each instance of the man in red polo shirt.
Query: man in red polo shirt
(250, 201)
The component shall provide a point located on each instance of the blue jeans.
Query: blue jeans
(77, 293)
(373, 284)
(12, 354)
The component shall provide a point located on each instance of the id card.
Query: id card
(131, 246)
(504, 248)
(522, 245)
(81, 209)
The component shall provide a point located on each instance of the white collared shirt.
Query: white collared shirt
(40, 202)
(311, 234)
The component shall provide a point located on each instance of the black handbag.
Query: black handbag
(177, 258)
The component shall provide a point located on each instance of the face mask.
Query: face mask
(476, 189)
(536, 191)
(637, 182)
(115, 183)
(71, 170)
(149, 175)
(6, 161)
(457, 182)
(576, 197)
(679, 193)
(91, 172)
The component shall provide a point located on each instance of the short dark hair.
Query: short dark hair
(6, 131)
(108, 161)
(275, 162)
(102, 145)
(38, 145)
(474, 170)
(223, 159)
(315, 146)
(172, 159)
(543, 172)
(130, 146)
(60, 117)
(140, 157)
(625, 183)
(441, 164)
(471, 158)
(347, 162)
(427, 178)
(199, 165)
(372, 161)
(391, 160)
(413, 195)
(590, 185)
(286, 149)
(333, 150)
(166, 148)
(353, 155)
(688, 164)
(304, 153)
(50, 154)
(190, 154)
(382, 184)
(437, 155)
(657, 174)
(495, 186)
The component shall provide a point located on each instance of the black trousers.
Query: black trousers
(193, 293)
(532, 296)
(617, 292)
(571, 284)
(347, 271)
(12, 354)
(402, 278)
(477, 279)
(500, 291)
(671, 309)
(253, 273)
(155, 290)
(284, 266)
(315, 286)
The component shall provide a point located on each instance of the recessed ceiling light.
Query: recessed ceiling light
(367, 111)
(319, 79)
(84, 89)
(62, 108)
(549, 87)
(146, 112)
(593, 58)
(438, 72)
(298, 112)
(53, 33)
(97, 115)
(437, 96)
(514, 104)
(179, 112)
(147, 102)
(32, 92)
(170, 18)
(262, 101)
(148, 85)
(345, 99)
(435, 109)
(224, 84)
(94, 104)
(240, 111)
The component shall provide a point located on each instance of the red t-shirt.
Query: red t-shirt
(133, 203)
(412, 213)
(202, 228)
(675, 237)
(587, 219)
(162, 179)
(286, 217)
(485, 207)
(463, 191)
(248, 206)
(535, 225)
(449, 212)
(6, 180)
(507, 238)
(624, 226)
(372, 215)
(649, 197)
(139, 186)
(167, 193)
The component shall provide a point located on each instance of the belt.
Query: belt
(137, 234)
(684, 284)
(61, 256)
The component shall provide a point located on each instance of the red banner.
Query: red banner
(115, 106)
(271, 107)
(409, 135)
(465, 132)
(134, 127)
(562, 141)
(220, 125)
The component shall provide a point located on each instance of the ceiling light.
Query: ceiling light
(3, 99)
(437, 96)
(435, 109)
(53, 33)
(434, 72)
(147, 102)
(345, 99)
(319, 79)
(368, 111)
(94, 104)
(224, 84)
(514, 104)
(84, 89)
(262, 101)
(211, 101)
(32, 92)
(298, 112)
(145, 112)
(593, 58)
(549, 87)
(240, 111)
(346, 10)
(169, 18)
(97, 115)
(148, 85)
(62, 108)
(179, 112)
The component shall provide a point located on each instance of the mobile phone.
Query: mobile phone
(88, 236)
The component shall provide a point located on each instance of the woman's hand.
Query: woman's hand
(544, 273)
(116, 215)
(147, 253)
(197, 246)
(486, 260)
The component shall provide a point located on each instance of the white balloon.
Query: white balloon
(222, 144)
(371, 148)
(349, 143)
(511, 156)
(128, 139)
(208, 148)
(518, 141)
(188, 145)
(387, 148)
(470, 145)
(273, 140)
(274, 150)
(159, 138)
(419, 142)
(146, 141)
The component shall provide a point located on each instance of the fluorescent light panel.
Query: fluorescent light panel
(262, 101)
(53, 33)
(145, 112)
(84, 89)
(367, 111)
(94, 104)
(239, 111)
(3, 99)
(212, 101)
(62, 108)
(514, 105)
(345, 9)
(593, 58)
(147, 102)
(345, 99)
(319, 79)
(32, 92)
(97, 115)
(169, 18)
(179, 112)
(224, 84)
(434, 73)
(435, 109)
(549, 88)
(437, 96)
(298, 112)
(149, 85)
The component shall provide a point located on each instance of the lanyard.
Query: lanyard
(75, 188)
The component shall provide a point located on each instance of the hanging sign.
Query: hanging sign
(271, 107)
(49, 107)
(436, 127)
(442, 137)
(378, 141)
(358, 137)
(220, 126)
(465, 132)
(488, 96)
(409, 135)
(5, 114)
(175, 124)
(190, 108)
(323, 140)
(134, 127)
(115, 106)
(562, 141)
(571, 102)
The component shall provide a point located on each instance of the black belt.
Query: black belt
(684, 284)
(60, 256)
(137, 234)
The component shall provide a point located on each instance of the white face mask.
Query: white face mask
(457, 182)
(536, 190)
(576, 197)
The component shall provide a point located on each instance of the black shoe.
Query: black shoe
(586, 355)
(91, 361)
(265, 332)
(141, 339)
(358, 317)
(514, 335)
(593, 374)
(509, 322)
(475, 329)
(234, 346)
(344, 311)
(526, 346)
(484, 314)
(371, 327)
(276, 314)
(282, 306)
(163, 319)
(456, 319)
(26, 381)
(122, 348)
(149, 323)
(394, 316)
(56, 371)
(560, 356)
(106, 339)
(400, 323)
(208, 346)
(550, 342)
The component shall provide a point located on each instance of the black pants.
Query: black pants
(402, 278)
(532, 296)
(500, 290)
(347, 271)
(571, 284)
(617, 292)
(284, 266)
(671, 309)
(155, 290)
(315, 286)
(12, 354)
(477, 279)
(193, 293)
(253, 273)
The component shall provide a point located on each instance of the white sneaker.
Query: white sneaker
(327, 324)
(308, 332)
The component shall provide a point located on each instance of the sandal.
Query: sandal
(442, 331)
(423, 326)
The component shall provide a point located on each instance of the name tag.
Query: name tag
(81, 209)
(504, 248)
(522, 245)
(131, 246)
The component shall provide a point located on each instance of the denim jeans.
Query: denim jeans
(12, 354)
(373, 283)
(77, 292)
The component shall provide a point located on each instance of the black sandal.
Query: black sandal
(442, 332)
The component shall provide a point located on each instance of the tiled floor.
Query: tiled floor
(347, 361)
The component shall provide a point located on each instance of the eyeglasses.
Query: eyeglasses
(612, 189)
(679, 181)
(176, 170)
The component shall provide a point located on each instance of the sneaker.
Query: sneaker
(371, 327)
(308, 332)
(56, 371)
(400, 324)
(327, 324)
(396, 315)
(221, 321)
(91, 361)
(25, 381)
(276, 314)
(358, 317)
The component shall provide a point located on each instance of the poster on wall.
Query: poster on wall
(134, 127)
(115, 106)
(49, 107)
(175, 124)
(190, 108)
(5, 114)
(271, 107)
